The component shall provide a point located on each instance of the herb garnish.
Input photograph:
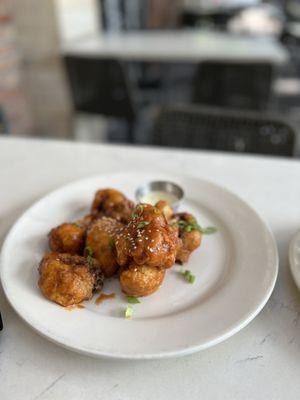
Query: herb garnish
(88, 253)
(209, 230)
(194, 226)
(133, 300)
(111, 244)
(188, 276)
(128, 312)
(142, 224)
(138, 208)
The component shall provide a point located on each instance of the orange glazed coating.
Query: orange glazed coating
(139, 280)
(147, 239)
(67, 279)
(190, 239)
(112, 203)
(67, 238)
(101, 241)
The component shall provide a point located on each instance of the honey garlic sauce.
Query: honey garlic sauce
(104, 297)
(74, 307)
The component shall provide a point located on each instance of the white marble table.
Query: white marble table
(260, 362)
(177, 46)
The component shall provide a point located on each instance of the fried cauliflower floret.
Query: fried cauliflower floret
(67, 238)
(147, 239)
(69, 279)
(101, 241)
(165, 208)
(112, 203)
(189, 235)
(140, 280)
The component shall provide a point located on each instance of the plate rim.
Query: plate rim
(242, 323)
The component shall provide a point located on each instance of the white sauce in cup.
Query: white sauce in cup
(154, 196)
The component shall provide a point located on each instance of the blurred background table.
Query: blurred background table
(179, 46)
(102, 70)
(261, 361)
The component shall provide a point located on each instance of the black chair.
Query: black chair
(233, 85)
(120, 15)
(217, 129)
(217, 19)
(100, 86)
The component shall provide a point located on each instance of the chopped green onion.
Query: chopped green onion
(190, 228)
(111, 244)
(194, 226)
(142, 224)
(157, 211)
(128, 312)
(88, 252)
(209, 230)
(76, 224)
(180, 223)
(133, 300)
(138, 208)
(189, 277)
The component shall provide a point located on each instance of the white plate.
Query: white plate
(235, 271)
(294, 257)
